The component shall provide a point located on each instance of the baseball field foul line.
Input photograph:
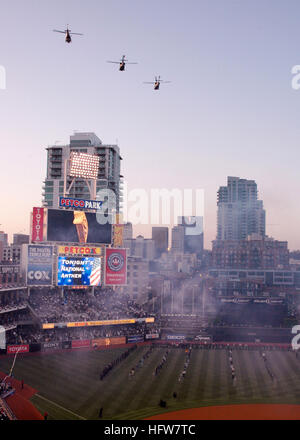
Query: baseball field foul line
(61, 407)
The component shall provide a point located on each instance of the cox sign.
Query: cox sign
(39, 275)
(40, 262)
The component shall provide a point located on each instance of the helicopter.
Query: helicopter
(68, 34)
(157, 82)
(121, 63)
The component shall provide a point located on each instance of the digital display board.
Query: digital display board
(47, 325)
(77, 227)
(79, 271)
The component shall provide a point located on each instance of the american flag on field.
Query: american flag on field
(95, 273)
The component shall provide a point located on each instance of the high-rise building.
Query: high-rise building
(140, 247)
(178, 238)
(193, 234)
(1, 250)
(19, 239)
(240, 213)
(108, 175)
(3, 238)
(127, 231)
(12, 253)
(137, 278)
(160, 236)
(253, 253)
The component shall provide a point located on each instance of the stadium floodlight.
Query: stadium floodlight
(83, 165)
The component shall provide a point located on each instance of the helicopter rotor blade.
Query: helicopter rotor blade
(148, 82)
(62, 32)
(114, 62)
(74, 33)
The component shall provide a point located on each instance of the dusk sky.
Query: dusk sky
(230, 109)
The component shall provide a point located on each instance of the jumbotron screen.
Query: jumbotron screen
(77, 227)
(79, 271)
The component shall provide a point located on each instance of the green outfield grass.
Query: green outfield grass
(69, 387)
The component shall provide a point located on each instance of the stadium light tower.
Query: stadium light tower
(83, 166)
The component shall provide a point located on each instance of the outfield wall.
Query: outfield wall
(118, 341)
(254, 334)
(218, 336)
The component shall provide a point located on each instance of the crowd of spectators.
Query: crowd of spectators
(12, 306)
(32, 334)
(105, 304)
(22, 316)
(11, 319)
(13, 310)
(3, 413)
(5, 389)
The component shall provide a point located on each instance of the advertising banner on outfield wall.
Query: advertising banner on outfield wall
(108, 341)
(34, 347)
(37, 224)
(66, 344)
(81, 343)
(115, 267)
(50, 346)
(135, 338)
(152, 336)
(175, 337)
(39, 265)
(12, 349)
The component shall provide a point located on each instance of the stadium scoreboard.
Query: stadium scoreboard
(78, 271)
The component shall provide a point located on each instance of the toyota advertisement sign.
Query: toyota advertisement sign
(37, 226)
(13, 349)
(39, 265)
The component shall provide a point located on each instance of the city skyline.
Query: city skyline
(231, 99)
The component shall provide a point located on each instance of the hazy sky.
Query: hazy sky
(230, 109)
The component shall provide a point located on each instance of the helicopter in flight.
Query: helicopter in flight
(121, 63)
(67, 33)
(157, 82)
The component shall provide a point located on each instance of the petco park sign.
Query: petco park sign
(67, 202)
(79, 250)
